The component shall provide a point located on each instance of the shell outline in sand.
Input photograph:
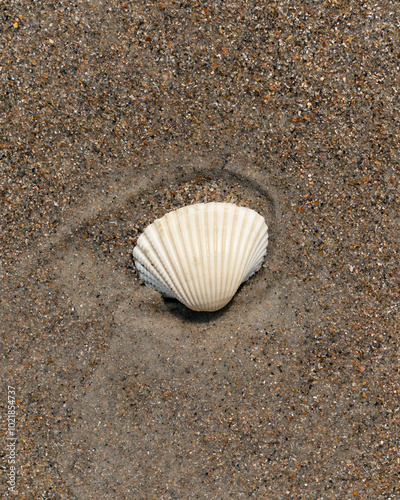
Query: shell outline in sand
(200, 254)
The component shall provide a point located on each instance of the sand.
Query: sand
(115, 113)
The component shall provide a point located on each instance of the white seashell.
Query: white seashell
(200, 254)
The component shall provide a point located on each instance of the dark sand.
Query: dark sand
(114, 113)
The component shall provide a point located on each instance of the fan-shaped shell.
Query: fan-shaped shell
(200, 254)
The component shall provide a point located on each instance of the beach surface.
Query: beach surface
(115, 113)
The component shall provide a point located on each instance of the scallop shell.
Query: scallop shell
(200, 254)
